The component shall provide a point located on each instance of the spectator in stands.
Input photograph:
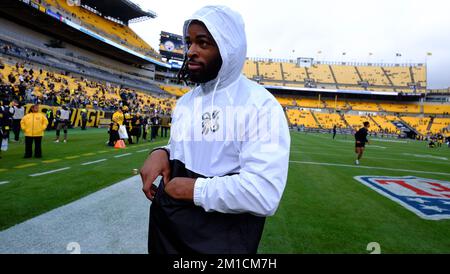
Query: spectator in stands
(214, 191)
(33, 124)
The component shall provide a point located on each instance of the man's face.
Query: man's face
(203, 53)
(35, 109)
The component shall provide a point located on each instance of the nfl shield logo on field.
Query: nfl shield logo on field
(429, 199)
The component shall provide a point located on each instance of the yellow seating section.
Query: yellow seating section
(321, 73)
(367, 106)
(356, 121)
(385, 123)
(175, 90)
(399, 76)
(270, 70)
(407, 108)
(420, 124)
(439, 124)
(420, 75)
(111, 93)
(373, 75)
(294, 73)
(250, 69)
(328, 120)
(301, 117)
(345, 75)
(436, 109)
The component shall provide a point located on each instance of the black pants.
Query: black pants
(83, 124)
(164, 131)
(154, 132)
(16, 129)
(113, 137)
(144, 133)
(50, 124)
(29, 146)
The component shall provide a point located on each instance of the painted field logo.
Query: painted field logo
(430, 199)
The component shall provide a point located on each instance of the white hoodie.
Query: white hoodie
(214, 128)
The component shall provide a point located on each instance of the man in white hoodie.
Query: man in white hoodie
(226, 165)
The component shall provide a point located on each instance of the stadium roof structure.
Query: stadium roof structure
(121, 9)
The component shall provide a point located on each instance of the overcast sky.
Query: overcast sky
(356, 27)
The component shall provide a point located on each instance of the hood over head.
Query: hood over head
(227, 28)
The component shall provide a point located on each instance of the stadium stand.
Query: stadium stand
(301, 117)
(116, 31)
(418, 123)
(294, 73)
(379, 77)
(321, 74)
(31, 83)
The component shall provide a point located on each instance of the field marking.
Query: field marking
(49, 172)
(377, 146)
(51, 161)
(122, 155)
(369, 167)
(3, 169)
(144, 150)
(93, 162)
(351, 136)
(25, 165)
(102, 151)
(426, 156)
(370, 157)
(389, 141)
(88, 154)
(4, 182)
(72, 157)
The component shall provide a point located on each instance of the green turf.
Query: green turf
(323, 209)
(25, 197)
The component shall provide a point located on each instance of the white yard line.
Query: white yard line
(369, 167)
(144, 150)
(93, 162)
(4, 182)
(426, 156)
(122, 155)
(370, 157)
(49, 172)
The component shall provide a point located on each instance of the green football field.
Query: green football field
(323, 209)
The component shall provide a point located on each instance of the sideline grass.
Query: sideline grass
(25, 197)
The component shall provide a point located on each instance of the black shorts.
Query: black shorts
(360, 144)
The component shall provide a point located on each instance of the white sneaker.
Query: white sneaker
(57, 141)
(357, 162)
(65, 141)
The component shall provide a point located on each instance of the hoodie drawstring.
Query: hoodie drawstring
(214, 93)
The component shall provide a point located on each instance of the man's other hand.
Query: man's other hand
(156, 164)
(181, 188)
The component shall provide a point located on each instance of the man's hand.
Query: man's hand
(156, 164)
(181, 188)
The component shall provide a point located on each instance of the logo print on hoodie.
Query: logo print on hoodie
(209, 123)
